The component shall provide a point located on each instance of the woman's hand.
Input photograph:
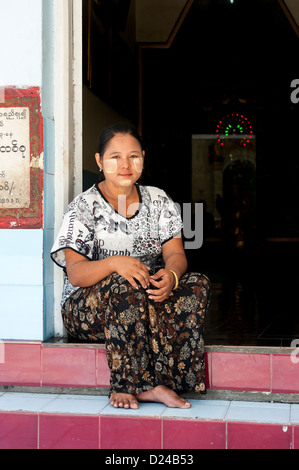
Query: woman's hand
(163, 282)
(132, 269)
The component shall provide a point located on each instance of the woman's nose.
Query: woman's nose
(125, 163)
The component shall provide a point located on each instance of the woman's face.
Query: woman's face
(122, 162)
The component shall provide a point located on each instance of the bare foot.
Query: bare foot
(163, 394)
(123, 400)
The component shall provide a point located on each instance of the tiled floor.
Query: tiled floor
(30, 420)
(224, 410)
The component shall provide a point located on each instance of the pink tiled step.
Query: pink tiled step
(38, 364)
(49, 421)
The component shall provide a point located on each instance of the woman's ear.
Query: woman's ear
(98, 160)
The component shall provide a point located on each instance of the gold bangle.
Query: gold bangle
(176, 279)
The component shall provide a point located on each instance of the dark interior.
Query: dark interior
(227, 59)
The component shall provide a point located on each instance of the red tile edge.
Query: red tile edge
(68, 431)
(285, 373)
(193, 434)
(68, 367)
(240, 371)
(128, 432)
(29, 363)
(18, 431)
(259, 436)
(103, 371)
(64, 431)
(20, 364)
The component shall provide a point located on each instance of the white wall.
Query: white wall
(21, 45)
(21, 251)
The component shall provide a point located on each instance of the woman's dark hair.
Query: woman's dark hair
(109, 132)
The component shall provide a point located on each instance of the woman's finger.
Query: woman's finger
(158, 295)
(156, 284)
(132, 281)
(143, 279)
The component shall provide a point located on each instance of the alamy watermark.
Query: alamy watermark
(295, 353)
(194, 237)
(295, 92)
(189, 213)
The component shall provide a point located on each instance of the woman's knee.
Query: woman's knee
(198, 279)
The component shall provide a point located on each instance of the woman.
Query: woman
(150, 317)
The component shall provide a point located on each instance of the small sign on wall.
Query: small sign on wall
(14, 158)
(21, 159)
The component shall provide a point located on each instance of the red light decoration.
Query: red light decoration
(234, 124)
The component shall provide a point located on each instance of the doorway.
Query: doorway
(224, 77)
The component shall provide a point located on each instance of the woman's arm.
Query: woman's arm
(164, 280)
(85, 273)
(174, 256)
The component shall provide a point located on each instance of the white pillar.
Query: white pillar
(68, 120)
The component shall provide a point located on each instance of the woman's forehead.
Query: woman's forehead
(123, 142)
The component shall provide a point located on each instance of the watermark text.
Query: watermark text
(295, 92)
(295, 353)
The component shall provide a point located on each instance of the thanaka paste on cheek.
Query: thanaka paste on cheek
(110, 166)
(138, 162)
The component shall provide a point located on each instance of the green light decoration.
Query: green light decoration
(234, 124)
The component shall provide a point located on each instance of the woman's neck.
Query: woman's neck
(124, 200)
(114, 192)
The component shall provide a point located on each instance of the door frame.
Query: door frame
(68, 107)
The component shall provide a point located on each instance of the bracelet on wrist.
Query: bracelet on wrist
(176, 279)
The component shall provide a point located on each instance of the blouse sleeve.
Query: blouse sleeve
(76, 232)
(170, 221)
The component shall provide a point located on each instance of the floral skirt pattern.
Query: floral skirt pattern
(147, 343)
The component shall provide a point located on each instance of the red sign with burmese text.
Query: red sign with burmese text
(21, 159)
